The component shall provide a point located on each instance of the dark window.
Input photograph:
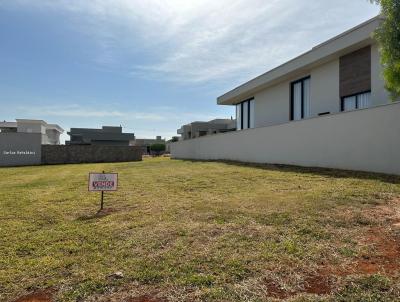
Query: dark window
(357, 101)
(245, 114)
(300, 99)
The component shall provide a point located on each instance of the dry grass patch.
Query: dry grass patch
(200, 231)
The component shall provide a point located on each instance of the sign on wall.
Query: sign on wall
(103, 182)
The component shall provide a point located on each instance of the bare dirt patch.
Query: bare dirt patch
(145, 298)
(39, 296)
(382, 240)
(386, 256)
(383, 246)
(318, 283)
(275, 291)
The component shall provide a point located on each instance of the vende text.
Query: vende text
(103, 184)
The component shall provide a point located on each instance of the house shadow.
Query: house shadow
(325, 172)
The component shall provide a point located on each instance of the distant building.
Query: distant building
(21, 142)
(197, 129)
(169, 142)
(145, 143)
(50, 133)
(107, 135)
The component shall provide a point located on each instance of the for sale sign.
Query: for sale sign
(103, 182)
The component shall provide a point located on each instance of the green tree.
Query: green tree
(388, 36)
(157, 148)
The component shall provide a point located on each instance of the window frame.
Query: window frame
(356, 95)
(248, 118)
(292, 84)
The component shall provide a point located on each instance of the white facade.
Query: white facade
(272, 105)
(272, 91)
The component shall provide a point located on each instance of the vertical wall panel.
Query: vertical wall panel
(355, 72)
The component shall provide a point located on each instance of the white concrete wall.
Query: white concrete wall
(365, 140)
(379, 94)
(325, 89)
(272, 105)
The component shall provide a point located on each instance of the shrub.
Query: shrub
(157, 148)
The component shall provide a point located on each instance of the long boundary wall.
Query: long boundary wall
(74, 154)
(364, 140)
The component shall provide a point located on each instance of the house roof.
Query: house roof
(8, 124)
(30, 121)
(22, 120)
(336, 47)
(54, 127)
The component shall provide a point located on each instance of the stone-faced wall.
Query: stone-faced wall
(75, 154)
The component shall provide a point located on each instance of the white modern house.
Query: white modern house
(50, 133)
(197, 129)
(326, 108)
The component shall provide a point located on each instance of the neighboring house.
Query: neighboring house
(21, 142)
(145, 143)
(197, 129)
(327, 108)
(50, 133)
(107, 135)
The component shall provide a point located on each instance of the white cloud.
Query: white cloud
(156, 114)
(161, 120)
(207, 40)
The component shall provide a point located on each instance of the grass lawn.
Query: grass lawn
(199, 231)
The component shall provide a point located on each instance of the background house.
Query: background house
(50, 133)
(21, 142)
(145, 143)
(107, 135)
(197, 129)
(326, 108)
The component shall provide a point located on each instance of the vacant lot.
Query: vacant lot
(199, 231)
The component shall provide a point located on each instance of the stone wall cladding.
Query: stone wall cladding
(76, 154)
(355, 72)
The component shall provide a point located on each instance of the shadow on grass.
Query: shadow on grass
(100, 214)
(326, 172)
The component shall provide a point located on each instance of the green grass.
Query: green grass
(194, 231)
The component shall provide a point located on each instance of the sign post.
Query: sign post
(100, 182)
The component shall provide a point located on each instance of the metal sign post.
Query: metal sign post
(102, 200)
(102, 182)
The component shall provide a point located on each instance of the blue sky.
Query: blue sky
(151, 65)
